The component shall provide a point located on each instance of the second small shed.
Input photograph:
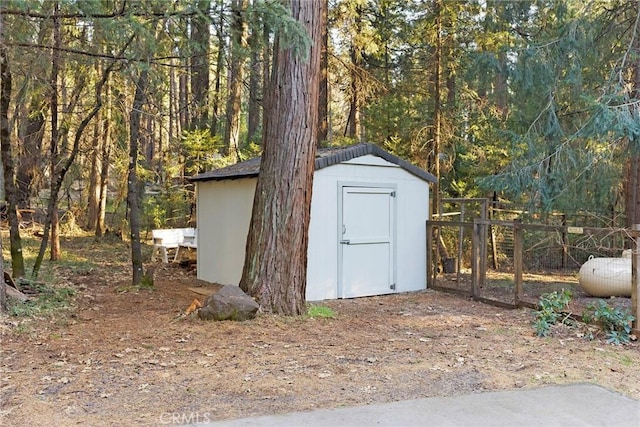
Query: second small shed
(367, 231)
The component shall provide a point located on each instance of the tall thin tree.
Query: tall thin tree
(17, 260)
(236, 76)
(133, 184)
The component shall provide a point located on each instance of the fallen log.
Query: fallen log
(14, 293)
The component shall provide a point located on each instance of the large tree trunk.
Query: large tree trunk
(133, 186)
(275, 268)
(323, 96)
(17, 260)
(236, 76)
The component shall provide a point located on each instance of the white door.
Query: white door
(366, 241)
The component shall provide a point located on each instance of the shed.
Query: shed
(367, 230)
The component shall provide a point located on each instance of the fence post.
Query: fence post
(518, 234)
(635, 280)
(475, 258)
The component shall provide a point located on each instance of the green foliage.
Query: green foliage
(49, 300)
(171, 205)
(615, 323)
(552, 305)
(200, 150)
(321, 312)
(290, 32)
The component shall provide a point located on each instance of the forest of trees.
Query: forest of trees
(108, 105)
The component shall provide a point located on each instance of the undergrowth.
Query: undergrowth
(48, 300)
(614, 322)
(320, 311)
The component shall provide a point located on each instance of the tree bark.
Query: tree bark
(200, 66)
(323, 102)
(15, 243)
(632, 181)
(354, 126)
(275, 268)
(93, 196)
(31, 135)
(437, 107)
(255, 92)
(217, 91)
(52, 213)
(3, 289)
(133, 186)
(236, 76)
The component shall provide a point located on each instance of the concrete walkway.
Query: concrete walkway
(565, 406)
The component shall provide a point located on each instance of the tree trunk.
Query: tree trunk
(437, 108)
(93, 195)
(632, 198)
(236, 76)
(217, 91)
(323, 102)
(200, 66)
(29, 167)
(52, 213)
(15, 243)
(133, 186)
(255, 92)
(632, 191)
(354, 125)
(3, 289)
(275, 268)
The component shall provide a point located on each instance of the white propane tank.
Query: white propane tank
(607, 277)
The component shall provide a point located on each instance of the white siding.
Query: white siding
(224, 213)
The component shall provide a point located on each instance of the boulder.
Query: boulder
(229, 303)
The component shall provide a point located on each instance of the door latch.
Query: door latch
(345, 242)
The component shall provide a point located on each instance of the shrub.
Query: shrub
(551, 310)
(615, 323)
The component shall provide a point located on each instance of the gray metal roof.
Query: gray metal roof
(324, 157)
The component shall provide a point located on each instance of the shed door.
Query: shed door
(367, 240)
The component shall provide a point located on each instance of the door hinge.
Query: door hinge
(393, 194)
(392, 286)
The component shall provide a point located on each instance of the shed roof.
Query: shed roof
(324, 157)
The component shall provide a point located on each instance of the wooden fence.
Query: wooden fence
(510, 264)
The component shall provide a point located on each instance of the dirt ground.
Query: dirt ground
(124, 356)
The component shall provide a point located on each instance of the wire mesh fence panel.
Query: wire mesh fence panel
(552, 259)
(450, 256)
(498, 283)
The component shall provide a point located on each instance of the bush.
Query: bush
(615, 323)
(551, 310)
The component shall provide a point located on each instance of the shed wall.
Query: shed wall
(224, 213)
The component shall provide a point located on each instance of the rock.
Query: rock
(229, 303)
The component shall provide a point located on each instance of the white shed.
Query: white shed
(367, 230)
